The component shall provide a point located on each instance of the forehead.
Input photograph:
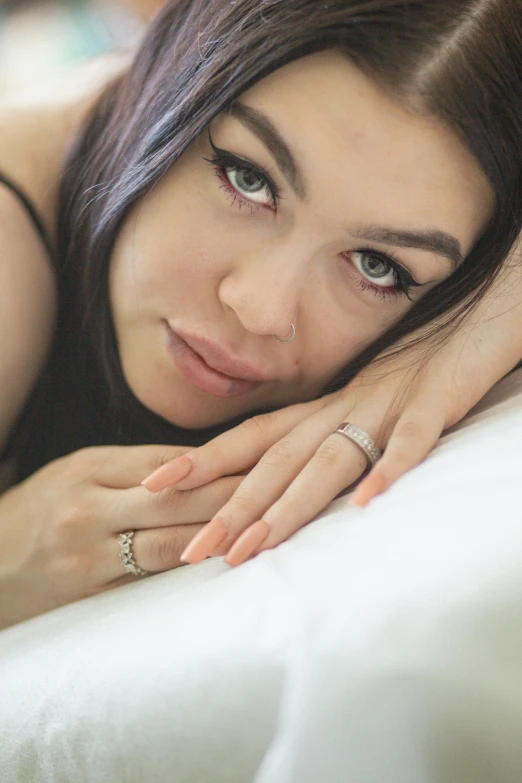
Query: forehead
(347, 135)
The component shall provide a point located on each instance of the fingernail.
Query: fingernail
(372, 486)
(169, 473)
(205, 541)
(247, 543)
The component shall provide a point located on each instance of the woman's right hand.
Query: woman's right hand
(59, 529)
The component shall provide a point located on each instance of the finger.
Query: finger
(274, 473)
(338, 463)
(152, 550)
(122, 467)
(233, 451)
(273, 479)
(413, 437)
(135, 508)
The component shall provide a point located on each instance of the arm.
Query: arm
(404, 404)
(27, 308)
(35, 134)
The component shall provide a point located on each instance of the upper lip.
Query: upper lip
(220, 359)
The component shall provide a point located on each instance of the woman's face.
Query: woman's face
(315, 201)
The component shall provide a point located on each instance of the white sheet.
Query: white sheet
(376, 645)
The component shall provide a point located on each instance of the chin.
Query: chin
(198, 420)
(189, 408)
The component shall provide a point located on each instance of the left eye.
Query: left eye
(375, 268)
(249, 184)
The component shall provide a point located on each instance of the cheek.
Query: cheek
(159, 253)
(338, 322)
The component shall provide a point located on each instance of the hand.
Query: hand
(59, 529)
(300, 465)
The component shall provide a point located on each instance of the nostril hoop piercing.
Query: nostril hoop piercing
(286, 341)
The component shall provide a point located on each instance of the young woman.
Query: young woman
(272, 195)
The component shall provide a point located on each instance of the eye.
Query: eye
(375, 268)
(250, 184)
(247, 183)
(382, 274)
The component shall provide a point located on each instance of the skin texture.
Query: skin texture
(198, 254)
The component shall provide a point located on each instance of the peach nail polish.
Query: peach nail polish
(168, 474)
(247, 543)
(205, 541)
(368, 489)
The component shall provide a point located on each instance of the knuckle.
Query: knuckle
(401, 459)
(175, 500)
(257, 425)
(281, 453)
(180, 501)
(69, 523)
(240, 502)
(77, 466)
(166, 549)
(90, 456)
(215, 452)
(170, 496)
(160, 458)
(330, 453)
(412, 430)
(72, 516)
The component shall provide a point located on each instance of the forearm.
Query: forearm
(490, 341)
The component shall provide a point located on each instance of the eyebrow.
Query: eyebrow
(431, 240)
(263, 128)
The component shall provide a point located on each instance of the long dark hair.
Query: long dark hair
(455, 60)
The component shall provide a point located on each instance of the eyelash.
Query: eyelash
(224, 160)
(404, 282)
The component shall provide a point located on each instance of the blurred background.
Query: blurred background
(42, 39)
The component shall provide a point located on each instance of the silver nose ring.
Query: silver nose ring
(286, 341)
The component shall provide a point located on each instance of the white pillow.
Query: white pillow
(375, 646)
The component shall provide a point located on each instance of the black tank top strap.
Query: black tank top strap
(30, 209)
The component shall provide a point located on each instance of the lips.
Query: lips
(209, 367)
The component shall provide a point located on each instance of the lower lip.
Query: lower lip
(194, 369)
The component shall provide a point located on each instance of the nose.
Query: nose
(264, 288)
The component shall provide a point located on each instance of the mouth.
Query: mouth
(209, 367)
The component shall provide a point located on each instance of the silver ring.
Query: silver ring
(361, 439)
(286, 341)
(126, 555)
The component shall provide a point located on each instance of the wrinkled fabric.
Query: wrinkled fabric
(376, 646)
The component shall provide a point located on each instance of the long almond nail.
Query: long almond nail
(369, 488)
(205, 542)
(169, 473)
(247, 543)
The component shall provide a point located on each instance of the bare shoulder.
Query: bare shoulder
(37, 128)
(34, 138)
(27, 308)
